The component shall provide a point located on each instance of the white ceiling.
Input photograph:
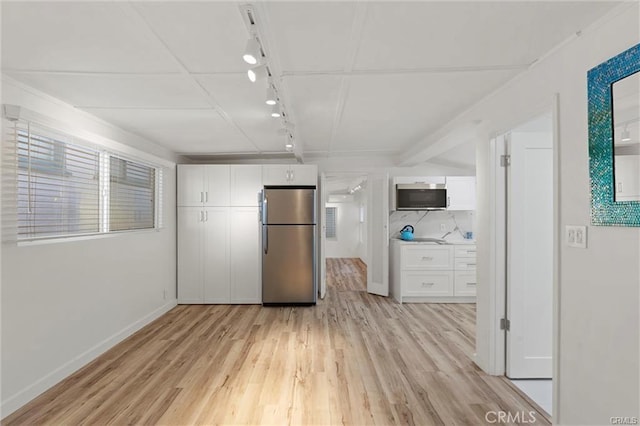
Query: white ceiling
(357, 77)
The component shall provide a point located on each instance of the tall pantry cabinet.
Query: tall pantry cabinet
(218, 234)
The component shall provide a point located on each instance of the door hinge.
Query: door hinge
(505, 324)
(505, 160)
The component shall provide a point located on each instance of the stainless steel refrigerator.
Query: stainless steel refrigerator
(288, 245)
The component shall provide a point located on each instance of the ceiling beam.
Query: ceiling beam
(439, 143)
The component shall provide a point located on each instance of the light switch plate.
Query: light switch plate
(576, 236)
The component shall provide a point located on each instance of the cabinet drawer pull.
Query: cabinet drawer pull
(427, 258)
(201, 197)
(471, 284)
(471, 264)
(427, 284)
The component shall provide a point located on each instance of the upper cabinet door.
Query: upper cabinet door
(461, 192)
(276, 174)
(216, 178)
(290, 174)
(246, 182)
(303, 174)
(190, 185)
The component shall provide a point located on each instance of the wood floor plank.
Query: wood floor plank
(353, 359)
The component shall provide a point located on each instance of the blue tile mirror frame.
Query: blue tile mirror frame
(606, 209)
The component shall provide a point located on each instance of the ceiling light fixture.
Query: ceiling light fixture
(272, 99)
(626, 135)
(275, 112)
(257, 73)
(252, 52)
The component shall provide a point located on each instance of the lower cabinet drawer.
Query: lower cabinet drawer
(465, 284)
(431, 283)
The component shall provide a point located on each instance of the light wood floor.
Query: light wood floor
(352, 359)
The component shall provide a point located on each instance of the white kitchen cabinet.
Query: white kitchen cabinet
(246, 182)
(190, 185)
(461, 192)
(433, 273)
(203, 185)
(203, 255)
(289, 174)
(215, 259)
(190, 270)
(218, 242)
(217, 190)
(245, 256)
(627, 177)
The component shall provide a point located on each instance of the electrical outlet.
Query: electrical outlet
(443, 227)
(576, 236)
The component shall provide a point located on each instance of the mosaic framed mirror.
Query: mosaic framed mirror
(614, 144)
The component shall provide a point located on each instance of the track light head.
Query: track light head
(252, 52)
(275, 111)
(257, 73)
(271, 99)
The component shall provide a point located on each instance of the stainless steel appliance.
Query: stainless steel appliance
(288, 245)
(421, 196)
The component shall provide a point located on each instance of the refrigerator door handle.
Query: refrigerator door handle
(264, 208)
(265, 239)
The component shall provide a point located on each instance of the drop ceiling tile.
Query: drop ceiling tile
(244, 102)
(314, 99)
(390, 112)
(311, 35)
(166, 91)
(182, 131)
(454, 34)
(79, 36)
(205, 36)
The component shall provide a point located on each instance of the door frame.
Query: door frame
(497, 284)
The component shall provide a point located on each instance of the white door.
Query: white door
(190, 185)
(246, 182)
(190, 269)
(530, 255)
(216, 180)
(378, 234)
(303, 174)
(215, 258)
(246, 259)
(323, 235)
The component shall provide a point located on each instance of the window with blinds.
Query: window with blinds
(132, 190)
(331, 222)
(57, 186)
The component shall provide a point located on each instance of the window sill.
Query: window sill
(84, 237)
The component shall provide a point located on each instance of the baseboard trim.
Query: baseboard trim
(30, 392)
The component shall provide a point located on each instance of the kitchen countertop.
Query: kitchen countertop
(433, 243)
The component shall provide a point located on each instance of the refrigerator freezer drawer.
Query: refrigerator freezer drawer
(288, 264)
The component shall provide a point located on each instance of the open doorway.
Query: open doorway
(529, 196)
(344, 247)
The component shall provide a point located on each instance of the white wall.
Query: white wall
(599, 287)
(64, 303)
(347, 239)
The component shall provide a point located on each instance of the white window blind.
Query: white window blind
(132, 192)
(331, 222)
(57, 185)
